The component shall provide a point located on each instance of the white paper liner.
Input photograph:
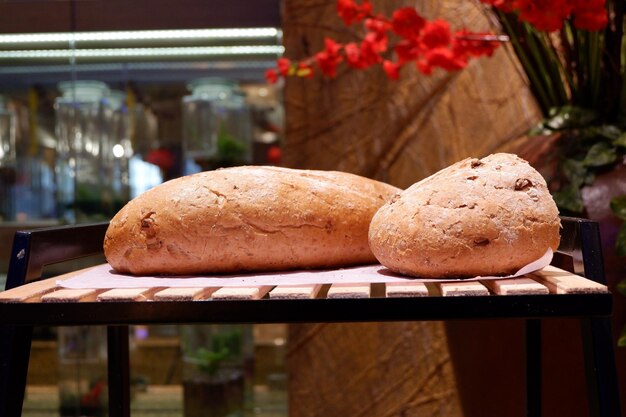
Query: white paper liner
(103, 276)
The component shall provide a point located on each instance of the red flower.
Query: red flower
(547, 15)
(392, 69)
(271, 76)
(377, 34)
(590, 14)
(436, 34)
(369, 53)
(407, 50)
(353, 56)
(350, 12)
(329, 58)
(591, 21)
(507, 6)
(442, 58)
(407, 23)
(377, 41)
(284, 65)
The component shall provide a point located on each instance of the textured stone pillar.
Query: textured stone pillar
(399, 132)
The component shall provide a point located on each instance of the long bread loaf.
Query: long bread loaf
(246, 219)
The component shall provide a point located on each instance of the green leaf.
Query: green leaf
(589, 178)
(568, 117)
(575, 171)
(600, 154)
(620, 140)
(229, 149)
(620, 241)
(540, 130)
(609, 132)
(569, 199)
(618, 206)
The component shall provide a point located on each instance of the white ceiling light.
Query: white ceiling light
(143, 52)
(178, 34)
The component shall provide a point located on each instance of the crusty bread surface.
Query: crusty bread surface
(478, 217)
(246, 219)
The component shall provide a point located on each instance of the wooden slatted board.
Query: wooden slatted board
(550, 280)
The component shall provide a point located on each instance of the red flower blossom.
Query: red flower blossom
(329, 58)
(407, 23)
(407, 50)
(271, 76)
(590, 14)
(284, 65)
(350, 12)
(442, 58)
(392, 69)
(353, 56)
(369, 53)
(507, 6)
(547, 15)
(436, 34)
(377, 34)
(377, 41)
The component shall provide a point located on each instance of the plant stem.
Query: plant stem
(533, 76)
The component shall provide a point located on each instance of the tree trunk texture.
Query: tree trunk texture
(400, 132)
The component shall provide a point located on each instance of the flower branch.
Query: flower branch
(428, 44)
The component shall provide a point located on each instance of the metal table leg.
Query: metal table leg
(119, 373)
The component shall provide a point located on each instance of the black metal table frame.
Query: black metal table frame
(32, 250)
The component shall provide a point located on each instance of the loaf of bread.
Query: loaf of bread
(478, 217)
(246, 219)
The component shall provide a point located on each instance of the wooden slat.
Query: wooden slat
(241, 293)
(295, 292)
(349, 291)
(70, 296)
(406, 289)
(29, 292)
(458, 289)
(516, 286)
(128, 294)
(560, 281)
(184, 294)
(33, 291)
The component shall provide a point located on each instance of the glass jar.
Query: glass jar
(117, 148)
(217, 369)
(217, 126)
(82, 186)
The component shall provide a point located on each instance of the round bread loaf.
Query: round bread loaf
(246, 219)
(478, 217)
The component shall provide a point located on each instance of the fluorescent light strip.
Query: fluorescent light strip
(241, 33)
(143, 52)
(137, 66)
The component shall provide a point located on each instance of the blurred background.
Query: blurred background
(101, 100)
